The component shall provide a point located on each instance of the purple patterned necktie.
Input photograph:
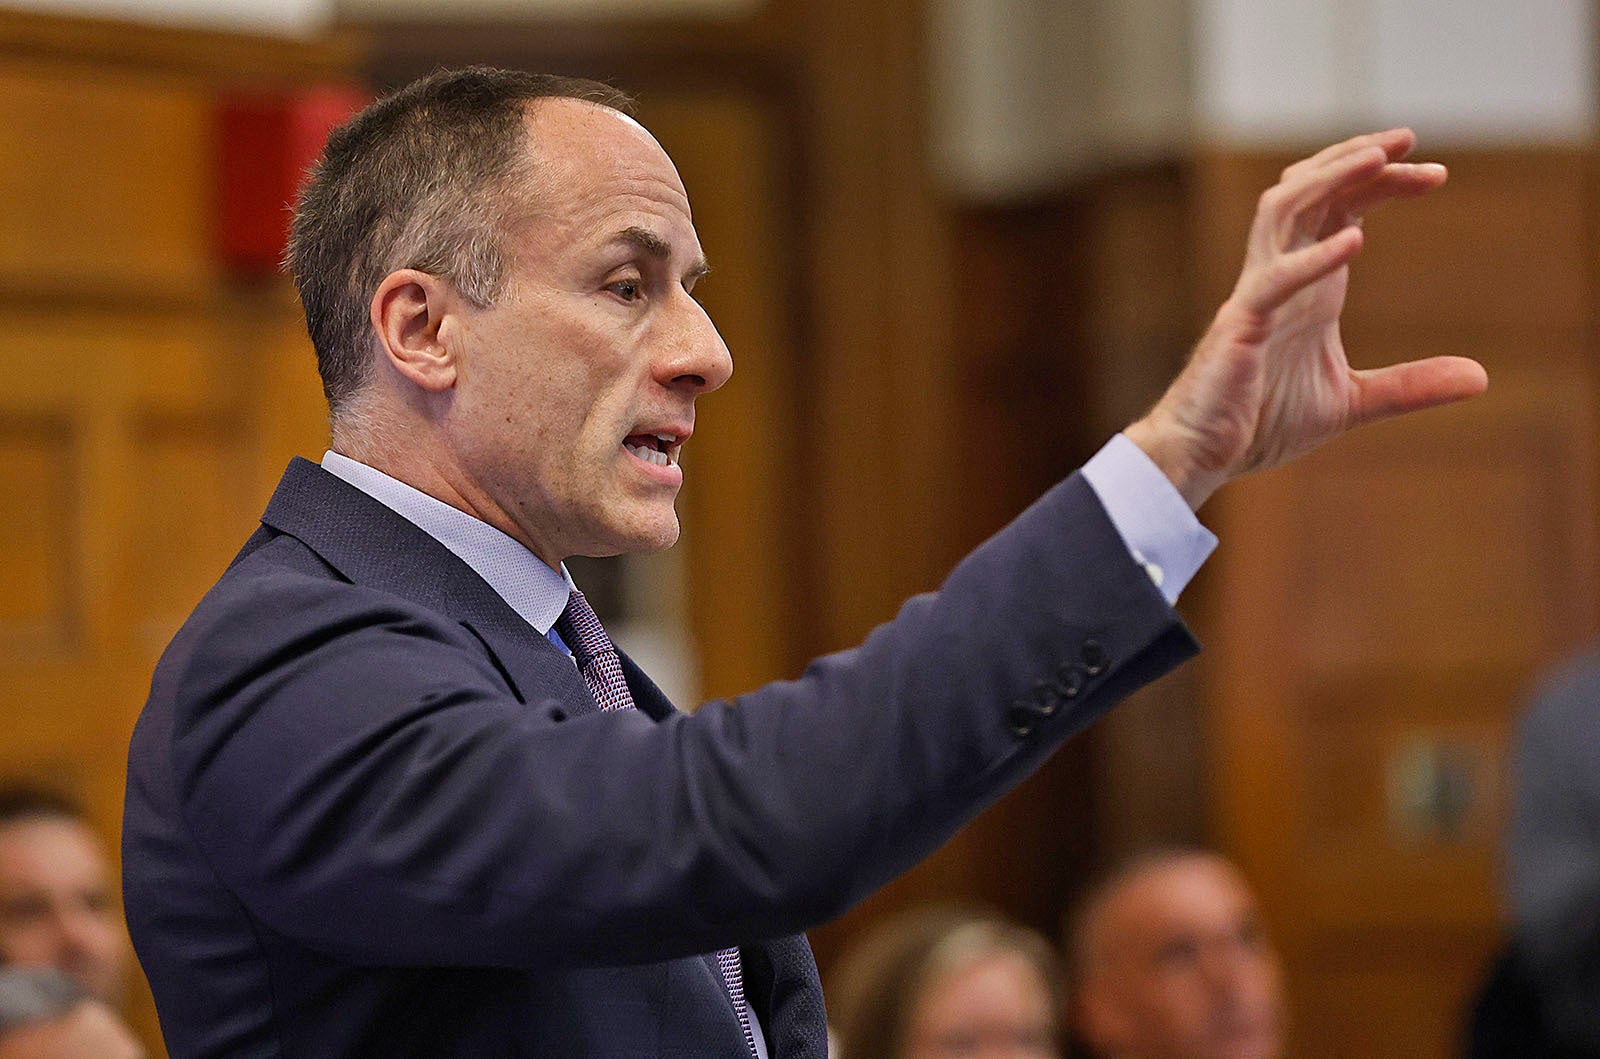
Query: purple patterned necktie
(580, 630)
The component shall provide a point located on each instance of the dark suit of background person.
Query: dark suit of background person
(372, 812)
(1541, 996)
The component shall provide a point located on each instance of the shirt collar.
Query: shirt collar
(531, 588)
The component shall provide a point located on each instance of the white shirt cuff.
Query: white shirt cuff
(1154, 521)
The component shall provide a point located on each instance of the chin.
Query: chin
(661, 541)
(653, 533)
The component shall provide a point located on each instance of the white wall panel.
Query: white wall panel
(1482, 70)
(1472, 72)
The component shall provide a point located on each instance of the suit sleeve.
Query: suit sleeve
(357, 772)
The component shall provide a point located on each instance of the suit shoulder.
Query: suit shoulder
(280, 603)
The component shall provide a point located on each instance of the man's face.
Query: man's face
(995, 1006)
(1179, 967)
(576, 390)
(57, 908)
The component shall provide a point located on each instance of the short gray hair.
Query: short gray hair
(420, 179)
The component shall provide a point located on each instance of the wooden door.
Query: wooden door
(1376, 611)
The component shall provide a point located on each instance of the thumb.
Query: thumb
(1384, 392)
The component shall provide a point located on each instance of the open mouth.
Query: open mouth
(659, 449)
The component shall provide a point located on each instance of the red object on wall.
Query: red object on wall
(265, 145)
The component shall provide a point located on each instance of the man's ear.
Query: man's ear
(407, 310)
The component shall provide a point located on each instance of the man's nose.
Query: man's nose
(698, 359)
(1224, 966)
(80, 931)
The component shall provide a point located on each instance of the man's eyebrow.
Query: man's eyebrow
(657, 247)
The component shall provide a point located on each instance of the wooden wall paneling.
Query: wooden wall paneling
(741, 465)
(208, 56)
(1072, 313)
(1379, 605)
(261, 339)
(148, 394)
(130, 501)
(1023, 352)
(1021, 358)
(883, 287)
(42, 605)
(886, 383)
(116, 193)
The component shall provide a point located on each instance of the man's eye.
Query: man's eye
(627, 289)
(23, 910)
(1181, 953)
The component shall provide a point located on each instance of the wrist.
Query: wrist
(1175, 454)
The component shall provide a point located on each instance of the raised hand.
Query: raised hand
(1270, 379)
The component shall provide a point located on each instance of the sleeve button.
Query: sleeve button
(1021, 720)
(1069, 680)
(1094, 657)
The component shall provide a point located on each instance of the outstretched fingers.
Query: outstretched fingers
(1380, 393)
(1394, 143)
(1334, 188)
(1398, 180)
(1324, 183)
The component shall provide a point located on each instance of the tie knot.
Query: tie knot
(581, 630)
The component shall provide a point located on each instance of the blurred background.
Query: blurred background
(957, 244)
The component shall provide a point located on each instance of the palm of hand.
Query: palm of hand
(1307, 389)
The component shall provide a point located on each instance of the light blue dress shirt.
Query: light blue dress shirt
(1152, 518)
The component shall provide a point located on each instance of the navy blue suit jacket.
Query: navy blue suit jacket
(370, 812)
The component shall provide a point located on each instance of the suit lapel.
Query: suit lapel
(369, 544)
(784, 991)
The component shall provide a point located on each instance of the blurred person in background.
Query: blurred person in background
(947, 983)
(1170, 960)
(58, 905)
(1553, 841)
(45, 1014)
(1541, 995)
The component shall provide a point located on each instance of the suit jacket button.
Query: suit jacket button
(1046, 699)
(1094, 657)
(1069, 679)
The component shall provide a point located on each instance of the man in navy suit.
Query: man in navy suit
(393, 793)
